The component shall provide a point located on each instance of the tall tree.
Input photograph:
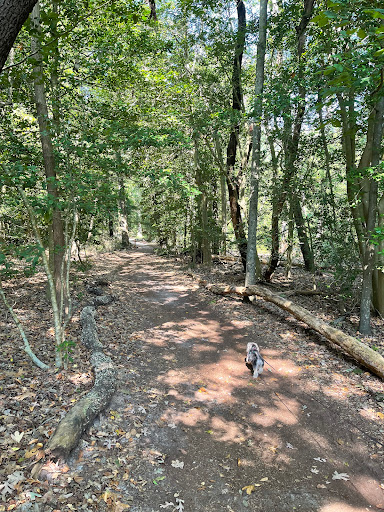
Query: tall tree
(57, 255)
(253, 265)
(292, 139)
(237, 105)
(370, 249)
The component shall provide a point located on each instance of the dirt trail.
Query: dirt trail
(190, 426)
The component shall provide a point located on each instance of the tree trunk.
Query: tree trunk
(57, 225)
(223, 194)
(253, 269)
(125, 244)
(327, 163)
(237, 100)
(370, 247)
(110, 226)
(27, 347)
(288, 267)
(152, 5)
(202, 200)
(305, 247)
(13, 14)
(378, 273)
(123, 210)
(275, 242)
(223, 215)
(353, 188)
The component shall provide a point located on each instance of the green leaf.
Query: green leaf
(375, 13)
(321, 20)
(378, 53)
(361, 33)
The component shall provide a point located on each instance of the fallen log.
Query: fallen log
(355, 348)
(79, 418)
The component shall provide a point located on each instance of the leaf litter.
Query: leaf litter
(114, 465)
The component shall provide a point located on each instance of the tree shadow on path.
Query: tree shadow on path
(211, 435)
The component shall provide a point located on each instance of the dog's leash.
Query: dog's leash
(269, 364)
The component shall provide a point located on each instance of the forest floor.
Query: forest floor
(189, 429)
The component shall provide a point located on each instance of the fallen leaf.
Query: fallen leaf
(248, 489)
(21, 397)
(167, 504)
(31, 453)
(177, 464)
(119, 506)
(340, 476)
(265, 479)
(202, 390)
(17, 436)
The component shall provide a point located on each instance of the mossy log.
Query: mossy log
(359, 351)
(79, 418)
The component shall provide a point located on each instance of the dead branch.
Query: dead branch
(80, 417)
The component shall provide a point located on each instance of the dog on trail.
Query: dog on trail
(254, 360)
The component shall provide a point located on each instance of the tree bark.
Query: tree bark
(378, 273)
(306, 251)
(353, 187)
(13, 14)
(288, 265)
(237, 100)
(125, 244)
(123, 210)
(152, 5)
(327, 163)
(202, 201)
(223, 213)
(253, 269)
(352, 346)
(78, 419)
(57, 225)
(370, 247)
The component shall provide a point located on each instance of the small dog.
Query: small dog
(254, 360)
